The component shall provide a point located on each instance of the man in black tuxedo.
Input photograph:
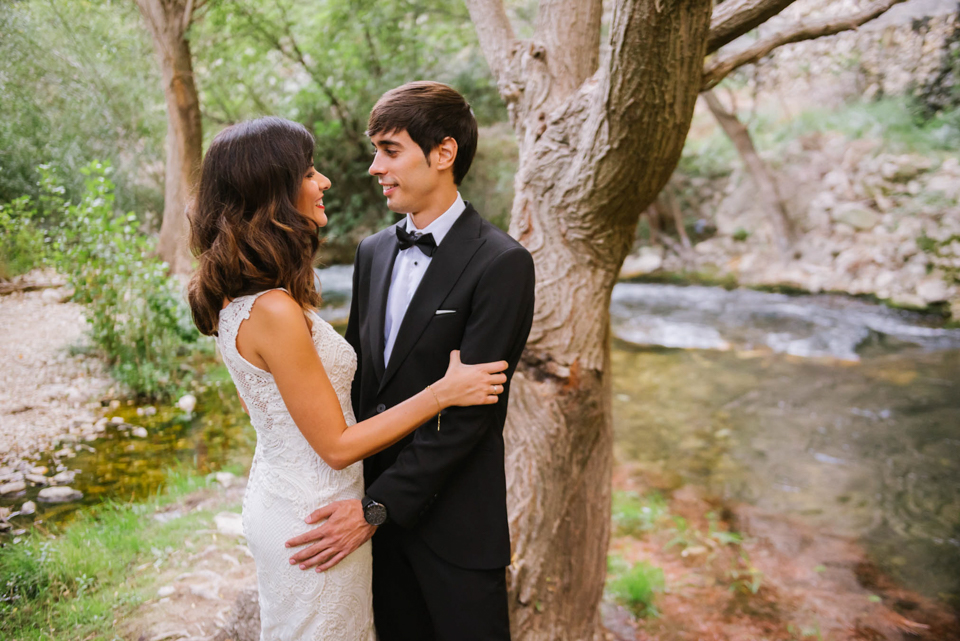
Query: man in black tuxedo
(442, 279)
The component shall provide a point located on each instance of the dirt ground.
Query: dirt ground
(812, 584)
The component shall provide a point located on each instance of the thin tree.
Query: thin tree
(168, 22)
(600, 130)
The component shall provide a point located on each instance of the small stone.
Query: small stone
(40, 469)
(225, 479)
(229, 523)
(28, 508)
(12, 487)
(4, 513)
(149, 410)
(116, 420)
(59, 494)
(64, 478)
(4, 526)
(856, 216)
(166, 591)
(933, 290)
(11, 476)
(38, 479)
(187, 403)
(114, 404)
(65, 453)
(139, 432)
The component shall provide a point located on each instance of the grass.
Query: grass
(635, 587)
(633, 513)
(76, 584)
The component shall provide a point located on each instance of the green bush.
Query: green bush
(21, 241)
(636, 587)
(138, 316)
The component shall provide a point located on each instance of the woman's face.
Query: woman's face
(310, 198)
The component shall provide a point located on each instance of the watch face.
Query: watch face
(375, 514)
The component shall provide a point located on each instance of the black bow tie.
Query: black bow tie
(424, 242)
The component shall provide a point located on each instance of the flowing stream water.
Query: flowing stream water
(839, 412)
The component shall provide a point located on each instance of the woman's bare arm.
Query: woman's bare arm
(276, 338)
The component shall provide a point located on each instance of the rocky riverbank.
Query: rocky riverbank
(865, 221)
(49, 391)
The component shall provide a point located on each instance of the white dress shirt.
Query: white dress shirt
(408, 270)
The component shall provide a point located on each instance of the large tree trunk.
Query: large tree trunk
(596, 146)
(167, 21)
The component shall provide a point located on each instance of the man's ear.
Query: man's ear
(446, 153)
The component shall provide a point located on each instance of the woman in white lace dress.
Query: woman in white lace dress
(254, 231)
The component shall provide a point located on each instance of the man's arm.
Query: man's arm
(497, 329)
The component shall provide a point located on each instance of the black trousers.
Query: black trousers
(417, 596)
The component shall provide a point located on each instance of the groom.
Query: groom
(441, 279)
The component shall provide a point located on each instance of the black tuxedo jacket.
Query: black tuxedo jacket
(447, 485)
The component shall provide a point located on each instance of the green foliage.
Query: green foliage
(899, 122)
(21, 241)
(325, 64)
(635, 587)
(137, 314)
(78, 80)
(76, 582)
(633, 514)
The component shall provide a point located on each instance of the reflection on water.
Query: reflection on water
(870, 449)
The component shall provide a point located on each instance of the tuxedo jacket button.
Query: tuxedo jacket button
(381, 408)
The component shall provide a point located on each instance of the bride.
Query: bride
(254, 230)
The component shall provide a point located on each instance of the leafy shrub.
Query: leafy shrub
(636, 587)
(21, 241)
(137, 313)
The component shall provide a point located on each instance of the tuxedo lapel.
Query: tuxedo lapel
(452, 256)
(384, 255)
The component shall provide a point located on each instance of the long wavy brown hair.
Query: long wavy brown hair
(245, 228)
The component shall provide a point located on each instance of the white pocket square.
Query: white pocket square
(446, 311)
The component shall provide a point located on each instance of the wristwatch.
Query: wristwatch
(373, 513)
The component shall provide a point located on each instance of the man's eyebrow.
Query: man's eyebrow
(387, 143)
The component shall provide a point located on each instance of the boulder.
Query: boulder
(13, 487)
(62, 494)
(28, 508)
(187, 403)
(856, 215)
(229, 523)
(64, 478)
(139, 432)
(225, 479)
(37, 479)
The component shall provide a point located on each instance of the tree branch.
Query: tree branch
(494, 32)
(721, 68)
(733, 18)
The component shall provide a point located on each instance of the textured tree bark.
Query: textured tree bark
(167, 21)
(598, 140)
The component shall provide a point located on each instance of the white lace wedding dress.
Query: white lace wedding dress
(289, 480)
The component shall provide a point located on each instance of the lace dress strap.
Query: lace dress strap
(231, 316)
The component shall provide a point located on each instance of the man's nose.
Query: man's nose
(375, 169)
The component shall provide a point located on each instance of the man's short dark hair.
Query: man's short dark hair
(428, 112)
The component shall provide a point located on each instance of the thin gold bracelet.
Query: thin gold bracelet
(439, 407)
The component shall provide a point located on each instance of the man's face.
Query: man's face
(400, 167)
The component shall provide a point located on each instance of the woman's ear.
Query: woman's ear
(446, 153)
